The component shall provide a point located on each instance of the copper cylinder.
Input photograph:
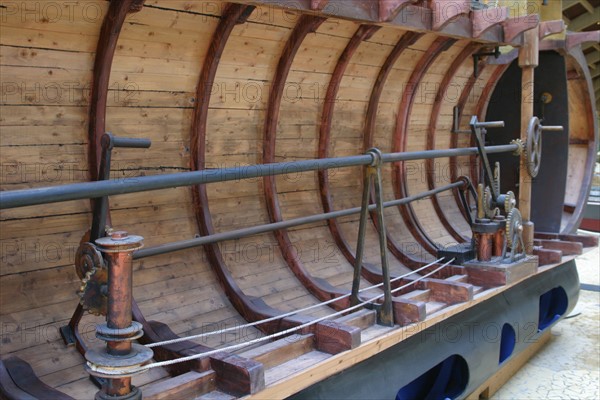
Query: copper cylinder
(499, 243)
(484, 244)
(119, 248)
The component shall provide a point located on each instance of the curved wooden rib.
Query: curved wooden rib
(435, 113)
(406, 40)
(320, 288)
(581, 64)
(462, 101)
(364, 32)
(250, 308)
(105, 52)
(400, 138)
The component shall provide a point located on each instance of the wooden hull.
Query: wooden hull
(217, 85)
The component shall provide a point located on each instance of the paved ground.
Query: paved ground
(568, 367)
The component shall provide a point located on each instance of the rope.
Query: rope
(277, 317)
(262, 339)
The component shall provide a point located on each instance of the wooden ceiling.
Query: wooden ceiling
(584, 15)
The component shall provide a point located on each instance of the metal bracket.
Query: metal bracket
(479, 130)
(476, 57)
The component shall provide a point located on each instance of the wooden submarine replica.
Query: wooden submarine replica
(308, 199)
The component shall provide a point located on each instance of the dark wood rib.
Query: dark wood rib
(251, 308)
(435, 113)
(401, 135)
(105, 52)
(364, 32)
(577, 216)
(320, 288)
(462, 101)
(406, 40)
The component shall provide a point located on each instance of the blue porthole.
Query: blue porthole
(447, 380)
(553, 304)
(507, 342)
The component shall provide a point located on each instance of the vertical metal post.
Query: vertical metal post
(386, 316)
(360, 245)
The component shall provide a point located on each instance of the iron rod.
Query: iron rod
(256, 230)
(360, 241)
(385, 315)
(88, 190)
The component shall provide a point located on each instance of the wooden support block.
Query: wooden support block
(547, 256)
(407, 311)
(567, 248)
(333, 337)
(361, 319)
(189, 385)
(494, 274)
(548, 28)
(237, 375)
(487, 18)
(585, 240)
(447, 291)
(281, 351)
(417, 295)
(389, 8)
(160, 332)
(513, 27)
(578, 38)
(445, 11)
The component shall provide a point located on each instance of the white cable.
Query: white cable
(278, 317)
(262, 339)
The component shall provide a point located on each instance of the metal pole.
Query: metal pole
(362, 228)
(119, 330)
(256, 230)
(87, 190)
(385, 316)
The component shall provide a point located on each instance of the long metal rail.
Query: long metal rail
(89, 190)
(255, 230)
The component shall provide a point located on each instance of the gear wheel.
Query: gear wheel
(521, 148)
(533, 149)
(514, 228)
(510, 202)
(490, 211)
(92, 271)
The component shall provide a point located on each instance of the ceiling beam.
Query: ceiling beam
(584, 20)
(593, 58)
(585, 3)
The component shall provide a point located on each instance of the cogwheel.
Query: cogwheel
(490, 211)
(521, 148)
(514, 227)
(510, 202)
(90, 267)
(533, 149)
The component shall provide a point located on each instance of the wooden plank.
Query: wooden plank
(281, 351)
(567, 248)
(190, 384)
